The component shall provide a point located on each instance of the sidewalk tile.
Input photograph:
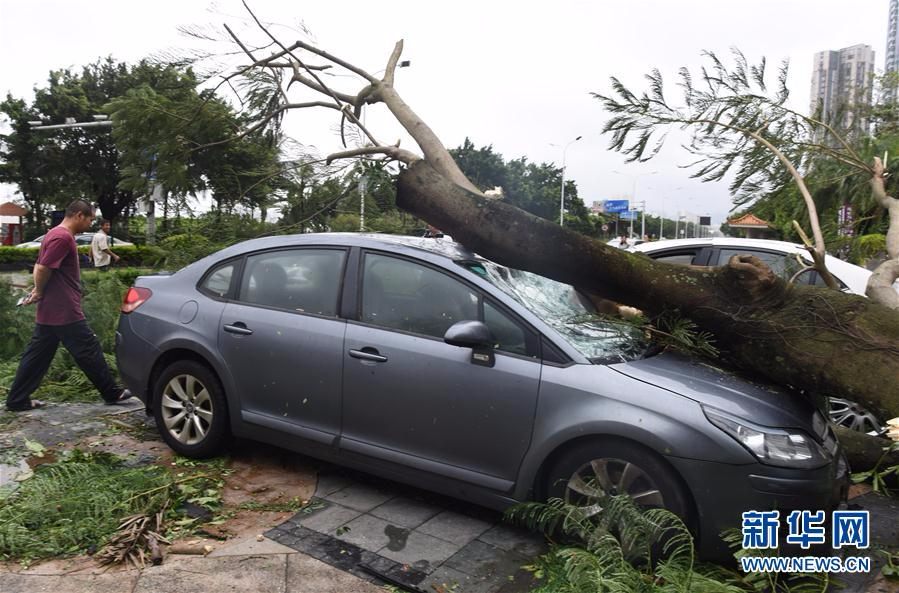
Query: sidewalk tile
(454, 527)
(367, 532)
(405, 512)
(328, 519)
(360, 497)
(422, 552)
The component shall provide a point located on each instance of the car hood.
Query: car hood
(702, 382)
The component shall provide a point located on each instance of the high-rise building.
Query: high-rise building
(842, 82)
(892, 58)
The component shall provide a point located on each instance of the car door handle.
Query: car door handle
(368, 354)
(239, 328)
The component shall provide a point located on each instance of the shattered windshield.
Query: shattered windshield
(567, 311)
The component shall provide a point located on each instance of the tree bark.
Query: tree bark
(819, 341)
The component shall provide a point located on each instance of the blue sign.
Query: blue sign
(629, 215)
(616, 205)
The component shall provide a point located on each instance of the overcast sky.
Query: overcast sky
(517, 75)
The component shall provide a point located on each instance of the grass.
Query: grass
(76, 505)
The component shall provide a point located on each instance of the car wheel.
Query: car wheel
(849, 414)
(584, 473)
(190, 411)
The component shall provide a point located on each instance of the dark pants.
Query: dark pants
(80, 341)
(102, 268)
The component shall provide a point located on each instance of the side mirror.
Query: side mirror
(469, 334)
(475, 335)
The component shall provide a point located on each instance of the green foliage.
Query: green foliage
(18, 322)
(78, 503)
(879, 475)
(183, 249)
(101, 301)
(532, 187)
(624, 549)
(136, 255)
(774, 582)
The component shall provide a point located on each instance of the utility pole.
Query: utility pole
(362, 182)
(562, 200)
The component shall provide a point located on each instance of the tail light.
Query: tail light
(134, 298)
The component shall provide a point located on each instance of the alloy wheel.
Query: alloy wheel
(853, 416)
(608, 477)
(187, 409)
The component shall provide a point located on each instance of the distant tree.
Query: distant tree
(529, 186)
(30, 161)
(739, 126)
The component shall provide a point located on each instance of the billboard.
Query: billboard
(705, 220)
(616, 205)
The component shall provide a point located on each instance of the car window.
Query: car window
(781, 264)
(218, 281)
(675, 257)
(302, 280)
(403, 295)
(509, 335)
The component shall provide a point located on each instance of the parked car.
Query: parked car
(80, 239)
(418, 360)
(783, 258)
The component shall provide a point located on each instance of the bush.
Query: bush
(181, 250)
(134, 255)
(18, 322)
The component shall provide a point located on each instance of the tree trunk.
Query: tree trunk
(816, 340)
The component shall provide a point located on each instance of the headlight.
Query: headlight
(781, 447)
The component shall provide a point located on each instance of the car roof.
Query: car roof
(437, 246)
(723, 242)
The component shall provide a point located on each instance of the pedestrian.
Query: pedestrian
(57, 292)
(623, 243)
(100, 252)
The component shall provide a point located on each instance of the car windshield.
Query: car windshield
(567, 311)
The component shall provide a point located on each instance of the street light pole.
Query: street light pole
(562, 200)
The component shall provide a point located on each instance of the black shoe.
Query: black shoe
(32, 405)
(123, 397)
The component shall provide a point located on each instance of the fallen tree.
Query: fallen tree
(818, 341)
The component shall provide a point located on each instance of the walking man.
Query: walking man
(57, 292)
(101, 254)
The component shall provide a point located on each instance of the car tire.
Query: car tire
(618, 467)
(190, 410)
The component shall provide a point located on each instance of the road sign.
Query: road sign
(605, 227)
(705, 220)
(629, 215)
(616, 205)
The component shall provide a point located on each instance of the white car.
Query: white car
(782, 257)
(80, 239)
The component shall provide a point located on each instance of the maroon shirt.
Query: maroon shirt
(61, 302)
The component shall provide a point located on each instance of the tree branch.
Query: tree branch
(394, 152)
(390, 71)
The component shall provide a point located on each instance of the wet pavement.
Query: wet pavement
(360, 533)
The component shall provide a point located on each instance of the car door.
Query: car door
(283, 342)
(413, 399)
